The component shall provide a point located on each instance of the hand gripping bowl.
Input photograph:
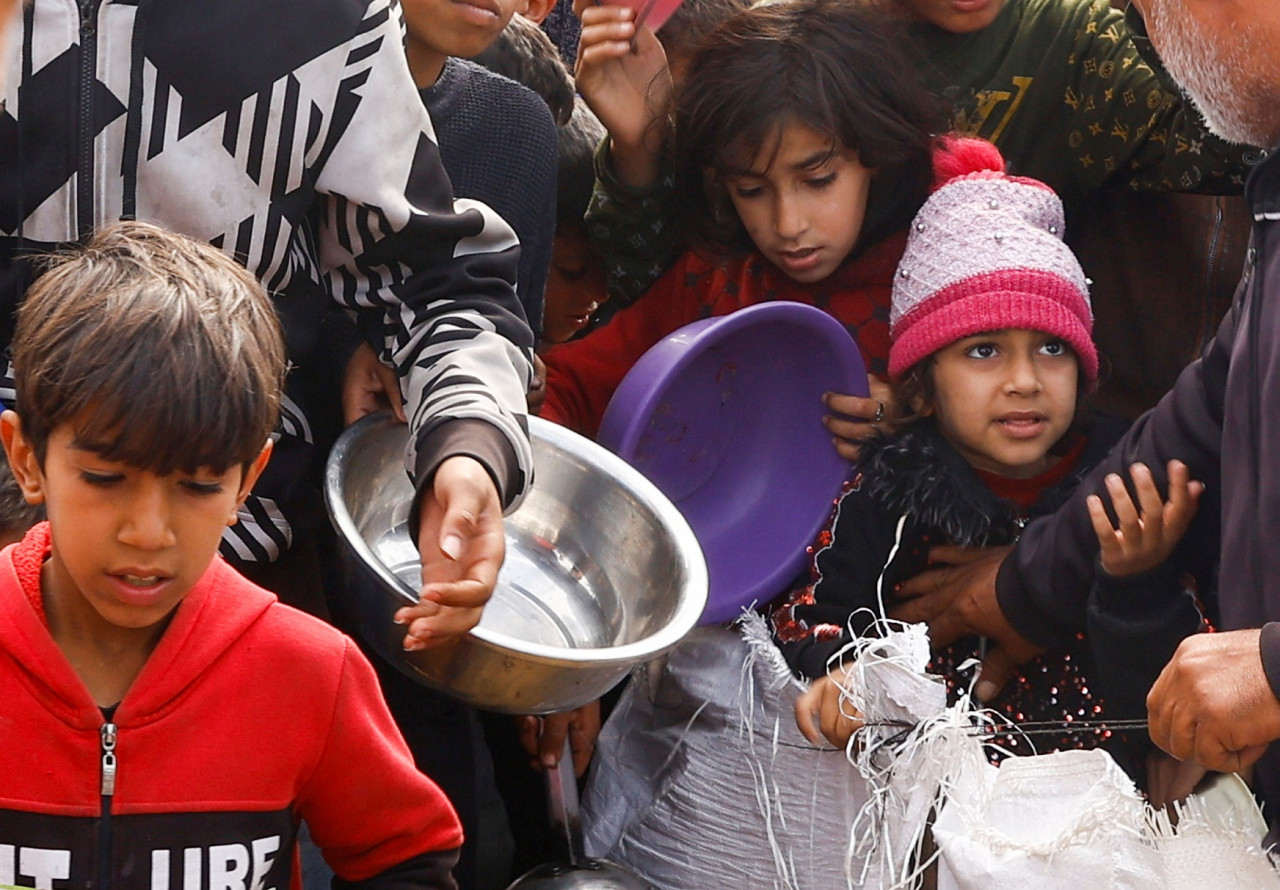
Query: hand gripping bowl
(725, 416)
(601, 572)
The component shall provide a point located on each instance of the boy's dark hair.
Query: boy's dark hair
(524, 53)
(576, 176)
(164, 352)
(831, 65)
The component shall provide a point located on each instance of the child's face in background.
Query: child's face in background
(575, 285)
(1004, 398)
(128, 544)
(802, 205)
(461, 28)
(956, 16)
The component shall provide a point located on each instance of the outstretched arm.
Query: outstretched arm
(431, 282)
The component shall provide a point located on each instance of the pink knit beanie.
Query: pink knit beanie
(985, 253)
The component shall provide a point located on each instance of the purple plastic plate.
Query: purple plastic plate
(725, 417)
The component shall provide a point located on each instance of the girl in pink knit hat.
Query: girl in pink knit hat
(990, 354)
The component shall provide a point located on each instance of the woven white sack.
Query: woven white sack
(1073, 819)
(701, 779)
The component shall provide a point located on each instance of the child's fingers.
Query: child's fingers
(1183, 490)
(1127, 518)
(837, 724)
(808, 707)
(604, 46)
(593, 13)
(1102, 527)
(1184, 501)
(846, 449)
(853, 430)
(861, 407)
(1150, 504)
(603, 28)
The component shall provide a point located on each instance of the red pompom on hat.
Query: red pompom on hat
(961, 155)
(985, 253)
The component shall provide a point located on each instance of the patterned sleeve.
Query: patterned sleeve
(1131, 125)
(632, 230)
(430, 279)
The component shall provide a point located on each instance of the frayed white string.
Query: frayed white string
(884, 570)
(761, 650)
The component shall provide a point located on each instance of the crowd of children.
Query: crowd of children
(376, 222)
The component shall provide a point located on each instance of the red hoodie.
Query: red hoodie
(247, 717)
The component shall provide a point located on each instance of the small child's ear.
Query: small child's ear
(250, 478)
(22, 458)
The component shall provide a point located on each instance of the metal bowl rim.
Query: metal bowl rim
(688, 610)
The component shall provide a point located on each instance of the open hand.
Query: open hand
(1212, 702)
(957, 599)
(1147, 532)
(461, 540)
(855, 418)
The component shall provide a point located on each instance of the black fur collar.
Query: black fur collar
(919, 473)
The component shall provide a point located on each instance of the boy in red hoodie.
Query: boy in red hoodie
(168, 722)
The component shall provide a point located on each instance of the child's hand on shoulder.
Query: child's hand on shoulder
(1148, 531)
(822, 713)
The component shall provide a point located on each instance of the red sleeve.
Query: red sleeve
(367, 805)
(583, 374)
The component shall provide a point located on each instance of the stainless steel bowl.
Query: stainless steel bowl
(602, 572)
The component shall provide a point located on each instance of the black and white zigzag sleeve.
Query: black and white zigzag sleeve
(431, 278)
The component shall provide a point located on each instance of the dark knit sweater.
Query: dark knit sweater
(498, 144)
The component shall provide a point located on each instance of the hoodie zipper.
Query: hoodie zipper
(108, 735)
(88, 80)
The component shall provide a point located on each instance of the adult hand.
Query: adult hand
(1212, 702)
(854, 418)
(957, 598)
(1147, 532)
(622, 74)
(822, 713)
(543, 737)
(462, 545)
(368, 386)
